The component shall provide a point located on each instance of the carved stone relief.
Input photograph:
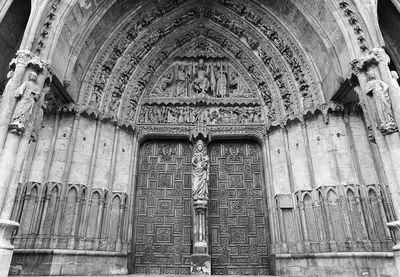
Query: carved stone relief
(207, 115)
(291, 91)
(210, 78)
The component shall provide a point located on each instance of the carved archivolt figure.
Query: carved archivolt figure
(28, 94)
(379, 91)
(200, 172)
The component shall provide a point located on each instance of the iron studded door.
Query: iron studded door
(162, 236)
(238, 227)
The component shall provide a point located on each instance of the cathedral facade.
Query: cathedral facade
(221, 137)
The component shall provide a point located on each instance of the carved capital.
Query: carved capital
(22, 57)
(381, 55)
(388, 128)
(26, 58)
(373, 58)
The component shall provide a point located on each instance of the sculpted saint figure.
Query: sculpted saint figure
(221, 83)
(201, 83)
(165, 80)
(181, 76)
(27, 94)
(10, 74)
(379, 91)
(395, 78)
(237, 85)
(200, 172)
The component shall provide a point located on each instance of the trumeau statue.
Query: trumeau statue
(378, 90)
(200, 172)
(27, 94)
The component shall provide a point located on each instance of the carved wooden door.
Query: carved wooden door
(162, 238)
(238, 226)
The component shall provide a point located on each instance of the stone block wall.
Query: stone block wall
(66, 262)
(74, 197)
(328, 197)
(346, 218)
(324, 182)
(337, 264)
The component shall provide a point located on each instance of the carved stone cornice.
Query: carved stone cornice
(238, 132)
(201, 101)
(145, 132)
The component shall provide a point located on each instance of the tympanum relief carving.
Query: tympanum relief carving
(211, 78)
(198, 90)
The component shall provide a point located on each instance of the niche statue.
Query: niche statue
(378, 90)
(27, 94)
(200, 172)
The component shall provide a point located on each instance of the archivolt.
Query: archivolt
(278, 69)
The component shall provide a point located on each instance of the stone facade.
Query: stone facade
(200, 137)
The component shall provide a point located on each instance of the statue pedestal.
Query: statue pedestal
(6, 248)
(395, 227)
(200, 260)
(200, 264)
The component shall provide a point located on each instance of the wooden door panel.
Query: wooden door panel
(163, 214)
(238, 227)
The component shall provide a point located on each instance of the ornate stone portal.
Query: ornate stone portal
(168, 70)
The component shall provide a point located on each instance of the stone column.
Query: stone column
(201, 260)
(23, 98)
(379, 94)
(15, 77)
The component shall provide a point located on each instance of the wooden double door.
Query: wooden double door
(238, 229)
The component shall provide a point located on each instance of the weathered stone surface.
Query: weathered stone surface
(285, 180)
